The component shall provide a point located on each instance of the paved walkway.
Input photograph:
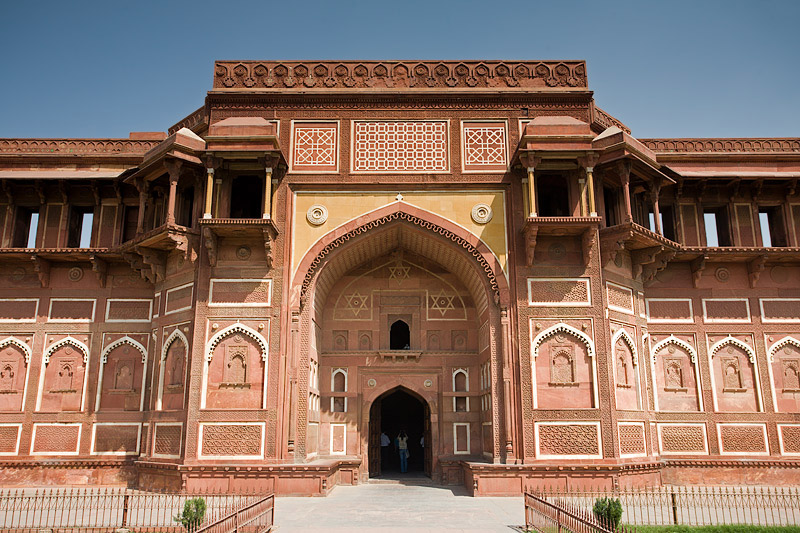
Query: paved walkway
(395, 507)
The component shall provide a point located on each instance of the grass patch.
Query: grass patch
(738, 528)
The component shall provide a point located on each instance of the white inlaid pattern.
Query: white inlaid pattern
(315, 146)
(484, 145)
(400, 146)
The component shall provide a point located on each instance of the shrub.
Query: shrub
(608, 510)
(194, 510)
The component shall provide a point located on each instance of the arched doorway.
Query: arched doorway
(394, 411)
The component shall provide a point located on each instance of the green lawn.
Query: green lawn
(742, 528)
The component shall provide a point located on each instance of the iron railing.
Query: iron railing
(104, 509)
(549, 515)
(693, 506)
(253, 518)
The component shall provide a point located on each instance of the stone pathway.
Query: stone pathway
(404, 505)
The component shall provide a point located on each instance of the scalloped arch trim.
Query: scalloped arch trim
(751, 353)
(234, 328)
(622, 333)
(63, 342)
(176, 334)
(780, 344)
(672, 339)
(561, 327)
(119, 342)
(19, 344)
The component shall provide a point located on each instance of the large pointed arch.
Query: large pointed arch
(175, 335)
(558, 328)
(237, 328)
(787, 340)
(672, 339)
(482, 259)
(26, 350)
(751, 353)
(623, 334)
(63, 342)
(119, 342)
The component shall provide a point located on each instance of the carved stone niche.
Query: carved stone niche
(673, 375)
(623, 362)
(732, 374)
(562, 365)
(235, 369)
(791, 375)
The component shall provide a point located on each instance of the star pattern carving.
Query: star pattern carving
(442, 302)
(356, 303)
(399, 272)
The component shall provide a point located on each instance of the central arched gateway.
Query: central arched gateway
(397, 410)
(400, 311)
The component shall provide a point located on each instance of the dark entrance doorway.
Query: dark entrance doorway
(394, 411)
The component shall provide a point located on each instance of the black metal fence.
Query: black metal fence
(103, 510)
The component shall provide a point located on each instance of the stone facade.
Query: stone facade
(239, 302)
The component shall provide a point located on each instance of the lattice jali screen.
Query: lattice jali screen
(400, 146)
(314, 147)
(484, 146)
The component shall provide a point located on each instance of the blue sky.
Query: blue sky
(670, 68)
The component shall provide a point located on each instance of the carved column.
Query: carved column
(590, 188)
(174, 169)
(531, 193)
(655, 190)
(144, 187)
(625, 180)
(582, 186)
(209, 192)
(267, 213)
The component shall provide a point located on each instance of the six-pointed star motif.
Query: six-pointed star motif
(399, 272)
(356, 302)
(442, 302)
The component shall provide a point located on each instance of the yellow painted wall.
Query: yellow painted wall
(452, 205)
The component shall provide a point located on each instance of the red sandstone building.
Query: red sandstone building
(471, 251)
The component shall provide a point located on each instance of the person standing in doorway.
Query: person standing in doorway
(402, 449)
(385, 442)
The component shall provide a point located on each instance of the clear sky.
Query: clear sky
(669, 68)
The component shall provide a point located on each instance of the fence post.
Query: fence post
(236, 521)
(125, 508)
(674, 507)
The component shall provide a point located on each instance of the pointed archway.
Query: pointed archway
(399, 410)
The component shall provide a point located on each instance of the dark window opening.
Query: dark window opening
(131, 222)
(25, 227)
(717, 228)
(611, 203)
(399, 336)
(185, 207)
(460, 385)
(668, 222)
(246, 193)
(773, 232)
(79, 233)
(552, 196)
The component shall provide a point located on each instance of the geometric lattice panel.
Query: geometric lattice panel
(743, 439)
(631, 439)
(167, 440)
(687, 439)
(790, 438)
(9, 439)
(229, 440)
(116, 439)
(400, 146)
(484, 146)
(560, 439)
(56, 439)
(314, 147)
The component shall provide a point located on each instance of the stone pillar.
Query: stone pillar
(209, 192)
(625, 180)
(267, 212)
(590, 189)
(655, 189)
(531, 193)
(582, 186)
(174, 169)
(143, 187)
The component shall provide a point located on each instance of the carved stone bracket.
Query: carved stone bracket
(642, 257)
(697, 266)
(100, 268)
(400, 355)
(268, 238)
(135, 261)
(660, 263)
(210, 242)
(156, 260)
(530, 243)
(588, 242)
(755, 268)
(42, 268)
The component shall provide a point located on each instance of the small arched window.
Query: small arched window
(339, 385)
(460, 384)
(399, 336)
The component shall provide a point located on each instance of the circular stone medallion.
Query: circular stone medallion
(317, 215)
(372, 382)
(75, 274)
(243, 253)
(482, 213)
(428, 383)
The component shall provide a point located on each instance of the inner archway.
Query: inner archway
(395, 411)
